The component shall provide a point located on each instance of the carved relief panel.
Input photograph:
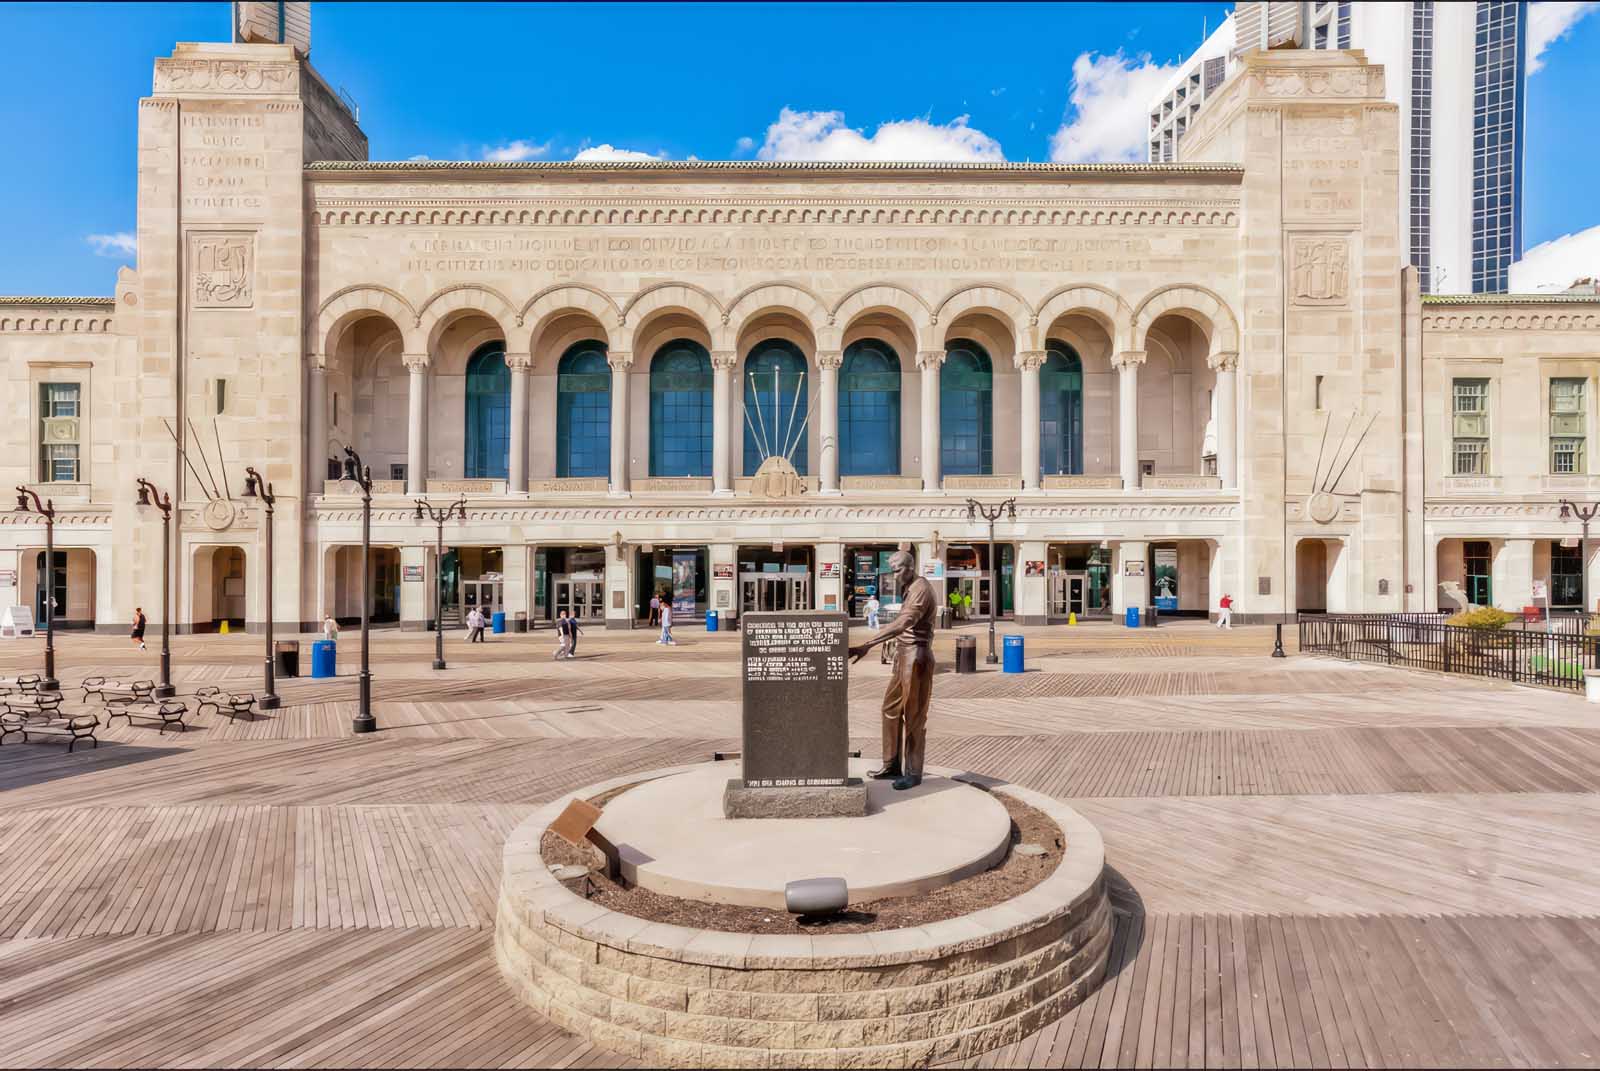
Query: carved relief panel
(222, 270)
(1319, 270)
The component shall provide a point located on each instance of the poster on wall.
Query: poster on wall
(411, 572)
(683, 581)
(1033, 568)
(1165, 581)
(933, 570)
(1133, 567)
(830, 603)
(829, 571)
(722, 570)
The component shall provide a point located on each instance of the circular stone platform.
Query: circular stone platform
(674, 840)
(677, 996)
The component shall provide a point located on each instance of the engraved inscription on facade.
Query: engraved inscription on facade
(1320, 271)
(224, 162)
(222, 270)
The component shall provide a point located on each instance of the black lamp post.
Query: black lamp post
(256, 487)
(355, 472)
(976, 509)
(429, 511)
(150, 497)
(1585, 514)
(46, 509)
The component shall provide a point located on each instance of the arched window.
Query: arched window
(680, 410)
(1061, 412)
(775, 404)
(583, 411)
(869, 410)
(966, 416)
(488, 413)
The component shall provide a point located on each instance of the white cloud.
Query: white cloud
(1558, 263)
(824, 136)
(120, 244)
(611, 152)
(516, 150)
(744, 145)
(1548, 23)
(421, 156)
(1110, 108)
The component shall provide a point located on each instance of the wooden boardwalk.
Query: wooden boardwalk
(1312, 864)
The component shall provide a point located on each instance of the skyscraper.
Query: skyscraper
(1457, 72)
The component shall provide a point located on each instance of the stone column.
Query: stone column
(722, 438)
(929, 362)
(621, 361)
(1031, 597)
(317, 425)
(520, 365)
(619, 585)
(1127, 590)
(1127, 365)
(1028, 363)
(828, 362)
(828, 591)
(1227, 396)
(417, 425)
(723, 591)
(1511, 574)
(417, 598)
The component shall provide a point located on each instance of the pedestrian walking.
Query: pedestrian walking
(1225, 612)
(330, 629)
(666, 625)
(572, 635)
(563, 637)
(655, 610)
(873, 607)
(138, 626)
(475, 623)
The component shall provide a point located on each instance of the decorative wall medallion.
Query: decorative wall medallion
(218, 514)
(222, 270)
(1323, 508)
(1320, 271)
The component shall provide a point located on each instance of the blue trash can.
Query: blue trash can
(324, 658)
(497, 623)
(1011, 654)
(711, 621)
(1131, 618)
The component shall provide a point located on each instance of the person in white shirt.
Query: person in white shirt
(330, 629)
(666, 624)
(475, 623)
(872, 613)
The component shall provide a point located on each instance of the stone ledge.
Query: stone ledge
(674, 995)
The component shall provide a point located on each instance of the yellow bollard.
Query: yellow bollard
(224, 628)
(1072, 619)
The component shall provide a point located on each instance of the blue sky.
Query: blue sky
(505, 81)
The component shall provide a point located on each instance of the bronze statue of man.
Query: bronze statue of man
(905, 704)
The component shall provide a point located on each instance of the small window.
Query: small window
(1470, 431)
(221, 397)
(336, 409)
(1317, 395)
(1208, 465)
(397, 472)
(1147, 468)
(1567, 426)
(59, 431)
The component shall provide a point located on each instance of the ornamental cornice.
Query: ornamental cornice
(64, 518)
(696, 167)
(76, 322)
(226, 76)
(722, 211)
(1513, 320)
(953, 513)
(1446, 510)
(1347, 82)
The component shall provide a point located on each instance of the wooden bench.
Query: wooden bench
(27, 683)
(241, 703)
(165, 711)
(119, 691)
(208, 695)
(34, 706)
(78, 727)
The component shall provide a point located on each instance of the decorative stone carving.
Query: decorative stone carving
(930, 357)
(1180, 482)
(1224, 361)
(777, 478)
(225, 76)
(219, 514)
(415, 362)
(222, 270)
(519, 362)
(1128, 358)
(1323, 508)
(619, 360)
(1320, 271)
(1031, 360)
(724, 358)
(830, 359)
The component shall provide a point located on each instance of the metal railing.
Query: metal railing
(1554, 653)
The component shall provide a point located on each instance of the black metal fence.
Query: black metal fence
(1554, 652)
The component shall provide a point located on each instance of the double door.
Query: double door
(579, 597)
(975, 588)
(774, 591)
(485, 595)
(1068, 594)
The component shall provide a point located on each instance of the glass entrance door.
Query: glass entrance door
(581, 597)
(975, 588)
(1068, 594)
(482, 594)
(774, 591)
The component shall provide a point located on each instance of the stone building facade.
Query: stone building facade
(742, 385)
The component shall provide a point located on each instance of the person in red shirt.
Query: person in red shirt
(1225, 612)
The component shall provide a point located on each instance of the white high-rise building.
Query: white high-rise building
(1457, 71)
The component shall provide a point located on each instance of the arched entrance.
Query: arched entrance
(218, 589)
(71, 583)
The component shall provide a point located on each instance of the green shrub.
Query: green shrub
(1485, 618)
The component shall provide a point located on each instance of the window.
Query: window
(1061, 412)
(1208, 465)
(1567, 425)
(59, 431)
(1475, 562)
(680, 410)
(336, 409)
(1566, 575)
(1497, 108)
(869, 410)
(1421, 192)
(1470, 414)
(397, 471)
(966, 415)
(488, 413)
(1317, 395)
(776, 404)
(583, 411)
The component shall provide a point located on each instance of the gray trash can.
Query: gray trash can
(1150, 617)
(966, 654)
